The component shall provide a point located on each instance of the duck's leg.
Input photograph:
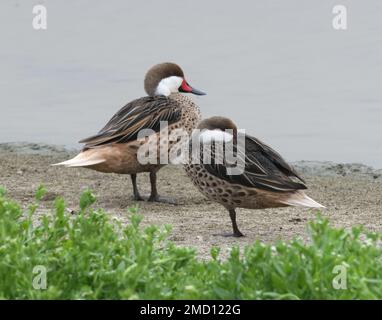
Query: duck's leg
(137, 196)
(236, 231)
(154, 196)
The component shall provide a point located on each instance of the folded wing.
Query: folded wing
(143, 113)
(264, 168)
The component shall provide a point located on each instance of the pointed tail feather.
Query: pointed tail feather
(81, 160)
(300, 199)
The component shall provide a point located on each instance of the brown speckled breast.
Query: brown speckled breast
(190, 112)
(190, 119)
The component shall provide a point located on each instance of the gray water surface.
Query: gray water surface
(277, 68)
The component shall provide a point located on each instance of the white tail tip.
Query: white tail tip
(300, 199)
(81, 160)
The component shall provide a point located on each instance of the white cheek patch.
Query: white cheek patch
(168, 85)
(207, 136)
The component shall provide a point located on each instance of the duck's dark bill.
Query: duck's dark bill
(198, 92)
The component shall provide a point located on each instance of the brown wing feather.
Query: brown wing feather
(273, 156)
(264, 168)
(143, 113)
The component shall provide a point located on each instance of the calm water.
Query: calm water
(277, 68)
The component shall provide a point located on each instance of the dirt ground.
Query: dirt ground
(351, 193)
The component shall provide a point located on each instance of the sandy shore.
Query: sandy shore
(351, 193)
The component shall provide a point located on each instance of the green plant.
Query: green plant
(89, 256)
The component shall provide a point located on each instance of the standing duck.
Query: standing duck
(265, 181)
(115, 147)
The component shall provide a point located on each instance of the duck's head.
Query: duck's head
(217, 123)
(166, 78)
(217, 129)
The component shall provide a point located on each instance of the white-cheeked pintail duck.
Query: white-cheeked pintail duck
(114, 148)
(266, 180)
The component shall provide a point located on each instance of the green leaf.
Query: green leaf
(40, 193)
(87, 199)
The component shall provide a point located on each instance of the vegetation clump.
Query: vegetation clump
(88, 256)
